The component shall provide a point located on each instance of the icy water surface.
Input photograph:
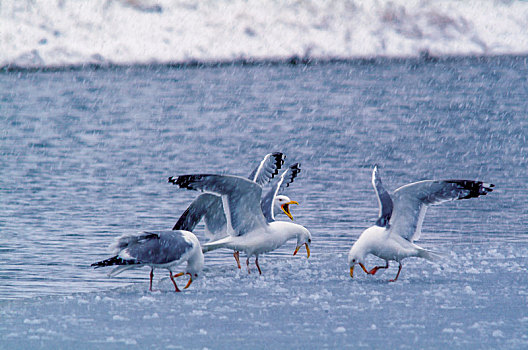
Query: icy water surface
(85, 157)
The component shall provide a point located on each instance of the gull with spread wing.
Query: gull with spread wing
(246, 224)
(209, 206)
(401, 217)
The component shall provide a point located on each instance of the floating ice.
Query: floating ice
(340, 330)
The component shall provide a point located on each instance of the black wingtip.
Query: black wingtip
(186, 181)
(115, 260)
(295, 170)
(279, 162)
(475, 188)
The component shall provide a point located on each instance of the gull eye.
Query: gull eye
(195, 275)
(353, 260)
(309, 240)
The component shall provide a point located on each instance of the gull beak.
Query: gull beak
(352, 271)
(286, 208)
(307, 250)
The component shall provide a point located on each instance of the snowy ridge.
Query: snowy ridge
(46, 33)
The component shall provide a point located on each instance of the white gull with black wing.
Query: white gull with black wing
(401, 218)
(209, 206)
(157, 249)
(241, 200)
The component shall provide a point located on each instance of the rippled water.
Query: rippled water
(85, 157)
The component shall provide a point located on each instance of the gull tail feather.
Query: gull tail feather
(120, 269)
(221, 243)
(430, 255)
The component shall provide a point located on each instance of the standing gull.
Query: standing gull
(157, 249)
(248, 228)
(401, 218)
(209, 206)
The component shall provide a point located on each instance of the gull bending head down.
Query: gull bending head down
(157, 249)
(401, 217)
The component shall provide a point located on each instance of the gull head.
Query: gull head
(304, 237)
(281, 204)
(195, 262)
(356, 255)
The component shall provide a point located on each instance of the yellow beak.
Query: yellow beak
(307, 250)
(286, 208)
(352, 271)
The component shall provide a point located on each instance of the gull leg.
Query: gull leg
(247, 264)
(236, 254)
(398, 274)
(174, 282)
(376, 268)
(364, 268)
(258, 267)
(151, 277)
(188, 283)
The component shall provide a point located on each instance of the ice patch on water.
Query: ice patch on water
(469, 290)
(497, 334)
(147, 299)
(34, 321)
(340, 329)
(119, 318)
(151, 317)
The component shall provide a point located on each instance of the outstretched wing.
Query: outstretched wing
(240, 198)
(267, 168)
(194, 213)
(411, 201)
(286, 178)
(384, 199)
(208, 206)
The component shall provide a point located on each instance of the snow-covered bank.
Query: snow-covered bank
(65, 32)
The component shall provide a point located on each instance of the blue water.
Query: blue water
(85, 157)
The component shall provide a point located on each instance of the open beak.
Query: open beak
(190, 278)
(352, 271)
(286, 208)
(307, 250)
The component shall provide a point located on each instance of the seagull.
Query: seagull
(247, 226)
(157, 249)
(401, 218)
(209, 206)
